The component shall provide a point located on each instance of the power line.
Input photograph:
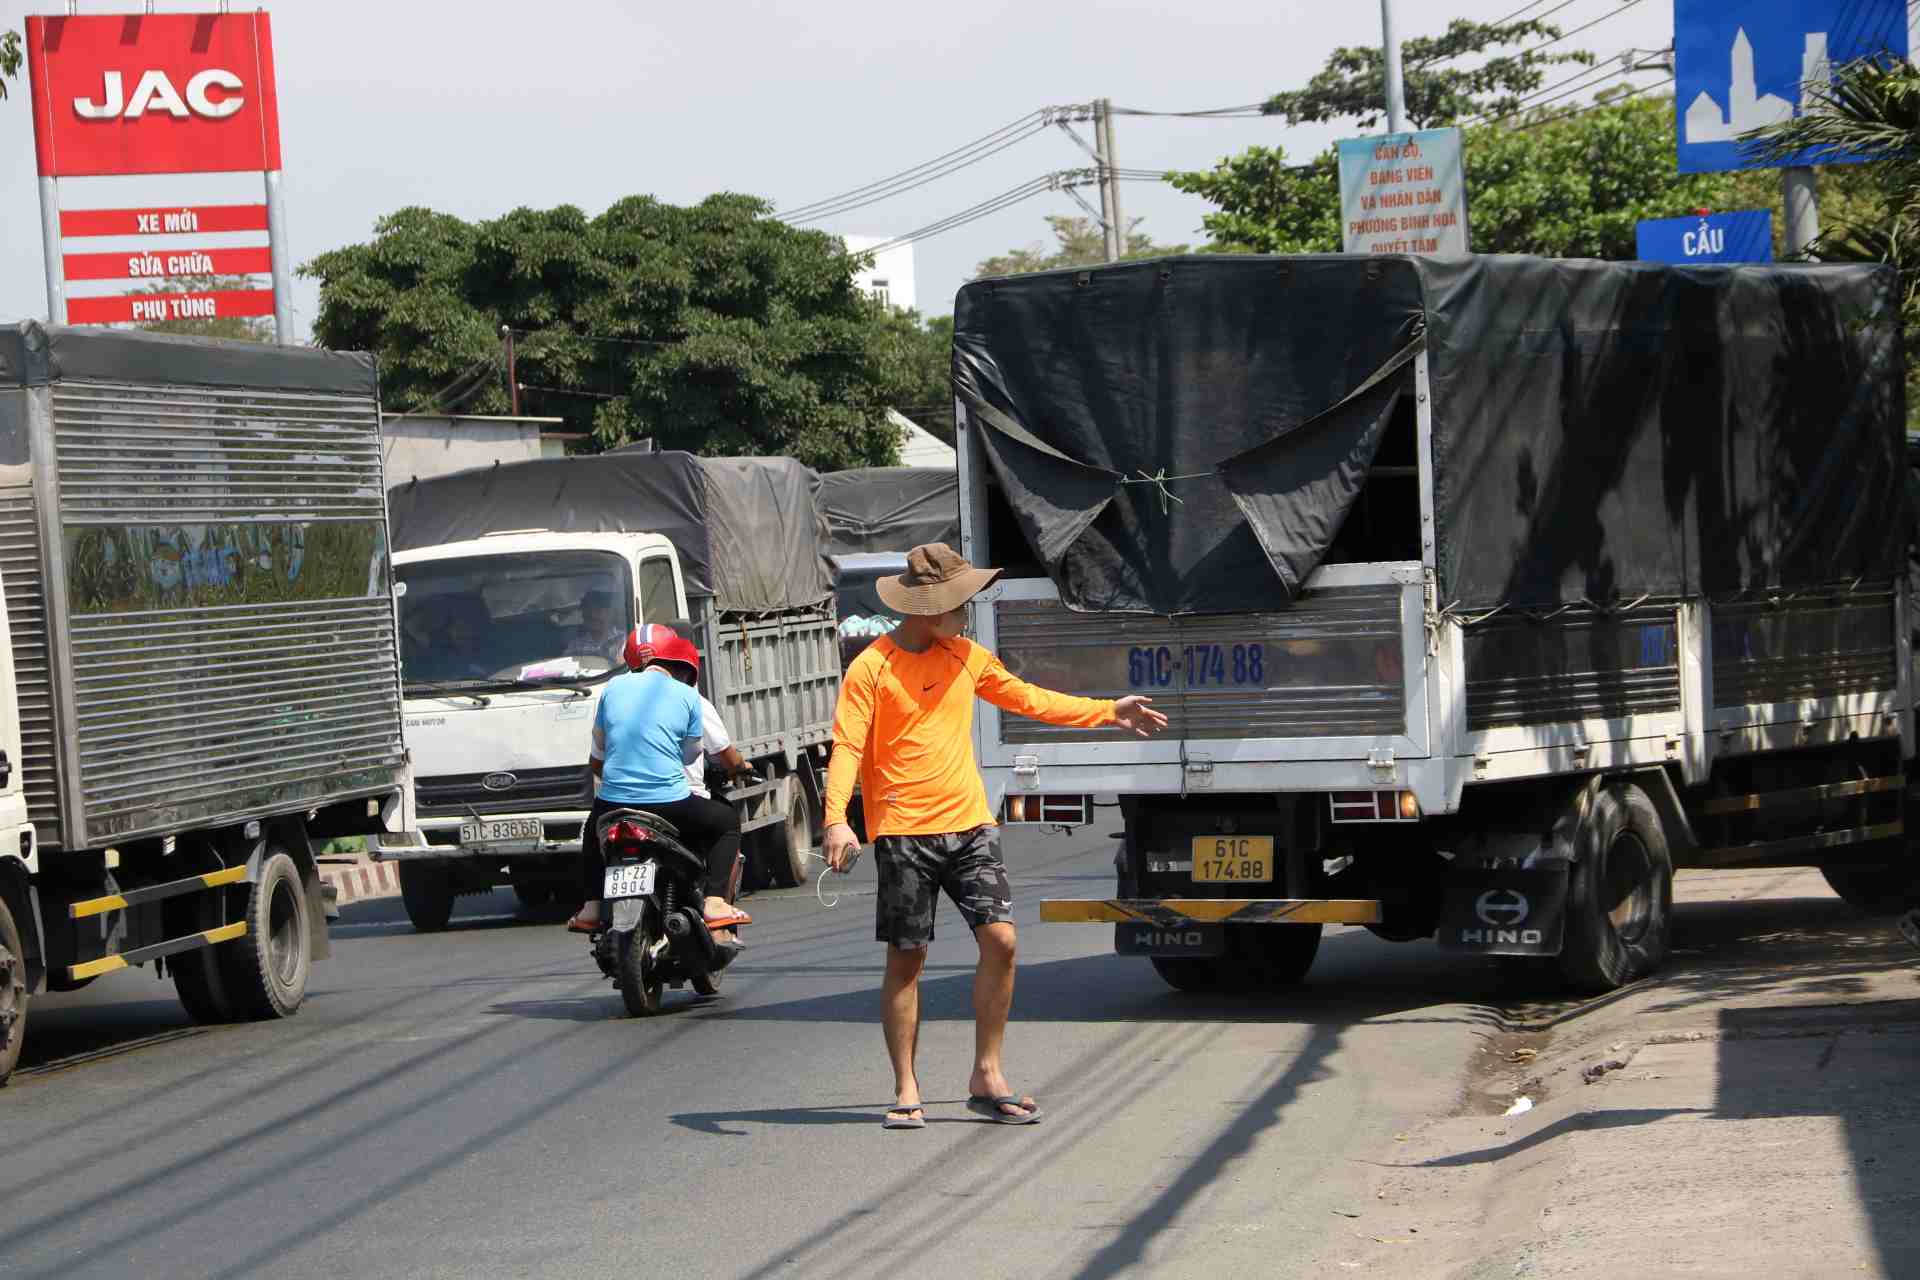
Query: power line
(1567, 35)
(1248, 109)
(1440, 61)
(901, 187)
(1595, 106)
(1589, 76)
(1009, 127)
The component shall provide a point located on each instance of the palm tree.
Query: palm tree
(1870, 112)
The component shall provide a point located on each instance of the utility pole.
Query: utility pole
(513, 375)
(1104, 173)
(1799, 191)
(1116, 221)
(1396, 81)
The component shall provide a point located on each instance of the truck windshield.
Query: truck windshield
(521, 618)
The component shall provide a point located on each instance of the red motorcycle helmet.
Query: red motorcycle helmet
(650, 642)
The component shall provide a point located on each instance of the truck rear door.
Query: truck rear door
(1339, 676)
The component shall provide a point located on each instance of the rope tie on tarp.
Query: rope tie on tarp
(1159, 481)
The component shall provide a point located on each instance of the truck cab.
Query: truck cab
(507, 642)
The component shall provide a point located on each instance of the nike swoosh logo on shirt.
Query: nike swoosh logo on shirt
(931, 687)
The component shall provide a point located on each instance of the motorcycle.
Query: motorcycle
(657, 935)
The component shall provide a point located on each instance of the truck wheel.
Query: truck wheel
(1270, 957)
(267, 971)
(1619, 893)
(426, 891)
(13, 993)
(198, 978)
(784, 848)
(1196, 974)
(1877, 888)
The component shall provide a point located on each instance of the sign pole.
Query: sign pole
(1800, 193)
(1396, 81)
(50, 246)
(277, 247)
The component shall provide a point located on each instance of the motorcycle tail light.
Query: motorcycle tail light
(625, 831)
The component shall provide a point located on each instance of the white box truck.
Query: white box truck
(199, 681)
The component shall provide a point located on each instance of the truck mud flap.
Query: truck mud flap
(1504, 912)
(1162, 940)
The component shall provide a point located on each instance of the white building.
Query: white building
(890, 278)
(419, 446)
(922, 448)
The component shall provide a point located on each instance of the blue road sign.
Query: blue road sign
(1740, 64)
(1746, 236)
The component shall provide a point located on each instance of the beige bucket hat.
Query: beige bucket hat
(938, 579)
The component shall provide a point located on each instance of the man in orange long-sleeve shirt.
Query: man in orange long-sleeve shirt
(904, 728)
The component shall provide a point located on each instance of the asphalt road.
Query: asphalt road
(475, 1103)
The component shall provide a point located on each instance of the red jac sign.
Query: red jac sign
(153, 93)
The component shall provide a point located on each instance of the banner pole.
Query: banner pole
(50, 246)
(277, 249)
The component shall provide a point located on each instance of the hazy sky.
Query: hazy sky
(476, 108)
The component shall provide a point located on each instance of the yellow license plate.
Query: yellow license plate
(1232, 859)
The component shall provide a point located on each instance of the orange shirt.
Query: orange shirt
(905, 727)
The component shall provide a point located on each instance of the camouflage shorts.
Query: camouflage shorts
(913, 870)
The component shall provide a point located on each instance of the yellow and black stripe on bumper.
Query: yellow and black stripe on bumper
(173, 946)
(1174, 913)
(154, 893)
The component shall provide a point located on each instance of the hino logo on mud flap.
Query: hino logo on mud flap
(1509, 937)
(1168, 938)
(1503, 907)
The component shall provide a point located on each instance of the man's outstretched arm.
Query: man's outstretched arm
(1010, 693)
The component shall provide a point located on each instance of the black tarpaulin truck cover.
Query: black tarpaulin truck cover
(1187, 434)
(33, 354)
(878, 509)
(747, 530)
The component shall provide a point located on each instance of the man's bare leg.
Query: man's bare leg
(992, 1002)
(900, 1021)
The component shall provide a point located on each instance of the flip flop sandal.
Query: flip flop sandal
(733, 921)
(580, 926)
(991, 1109)
(902, 1118)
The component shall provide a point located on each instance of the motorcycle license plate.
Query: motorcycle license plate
(630, 880)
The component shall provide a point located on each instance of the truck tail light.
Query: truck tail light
(1374, 806)
(1052, 811)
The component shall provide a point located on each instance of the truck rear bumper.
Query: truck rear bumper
(438, 838)
(1177, 913)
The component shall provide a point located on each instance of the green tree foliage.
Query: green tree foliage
(1439, 90)
(1872, 109)
(926, 349)
(713, 327)
(243, 328)
(10, 58)
(1077, 242)
(1572, 185)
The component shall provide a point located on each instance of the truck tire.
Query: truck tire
(1619, 893)
(784, 847)
(267, 970)
(1193, 974)
(426, 891)
(198, 978)
(1271, 957)
(1260, 957)
(1876, 888)
(13, 993)
(201, 984)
